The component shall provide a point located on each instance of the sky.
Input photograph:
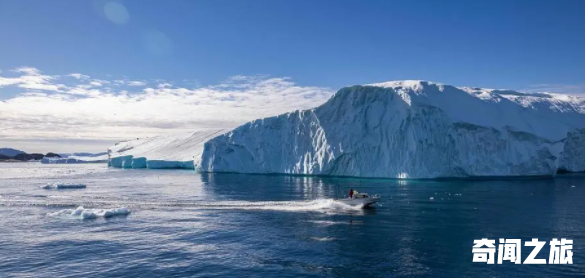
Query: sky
(82, 75)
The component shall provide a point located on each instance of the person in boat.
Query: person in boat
(351, 193)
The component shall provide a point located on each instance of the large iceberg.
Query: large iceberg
(177, 151)
(411, 129)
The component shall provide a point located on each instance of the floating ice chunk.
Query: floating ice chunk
(432, 198)
(88, 215)
(323, 238)
(83, 213)
(59, 185)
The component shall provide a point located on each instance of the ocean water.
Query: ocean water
(184, 224)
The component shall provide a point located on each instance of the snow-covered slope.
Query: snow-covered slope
(178, 151)
(407, 129)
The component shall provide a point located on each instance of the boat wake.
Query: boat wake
(314, 205)
(319, 205)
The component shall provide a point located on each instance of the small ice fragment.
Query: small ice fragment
(432, 198)
(572, 186)
(86, 214)
(59, 185)
(78, 211)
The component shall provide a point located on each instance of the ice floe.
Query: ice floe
(83, 213)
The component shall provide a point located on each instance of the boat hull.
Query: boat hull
(364, 202)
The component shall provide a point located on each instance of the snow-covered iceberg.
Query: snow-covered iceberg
(74, 159)
(410, 129)
(177, 151)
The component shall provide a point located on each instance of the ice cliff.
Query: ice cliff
(177, 151)
(410, 129)
(573, 156)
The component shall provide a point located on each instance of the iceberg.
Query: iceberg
(75, 159)
(410, 129)
(83, 213)
(177, 151)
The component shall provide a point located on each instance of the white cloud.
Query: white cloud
(136, 83)
(28, 70)
(33, 79)
(95, 83)
(78, 76)
(87, 111)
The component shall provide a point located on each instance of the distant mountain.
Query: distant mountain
(27, 157)
(12, 155)
(5, 157)
(9, 152)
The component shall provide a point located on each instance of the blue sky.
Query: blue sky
(309, 45)
(323, 43)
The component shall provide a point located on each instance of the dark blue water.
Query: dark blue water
(184, 224)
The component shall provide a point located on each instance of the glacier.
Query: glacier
(175, 151)
(411, 129)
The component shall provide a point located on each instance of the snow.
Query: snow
(59, 185)
(83, 213)
(538, 113)
(409, 129)
(177, 151)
